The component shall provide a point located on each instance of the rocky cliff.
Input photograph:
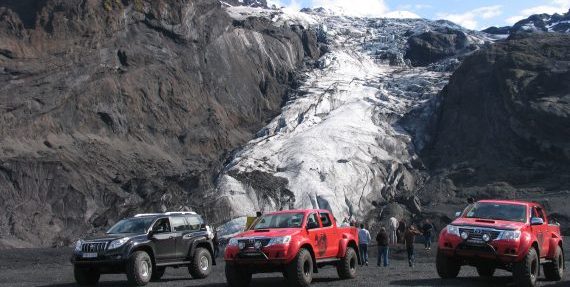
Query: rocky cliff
(504, 127)
(114, 107)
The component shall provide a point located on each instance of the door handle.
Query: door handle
(170, 237)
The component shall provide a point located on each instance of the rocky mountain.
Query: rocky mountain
(115, 107)
(536, 23)
(504, 125)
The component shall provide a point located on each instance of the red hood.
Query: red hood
(490, 223)
(276, 232)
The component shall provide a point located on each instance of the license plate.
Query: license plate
(89, 255)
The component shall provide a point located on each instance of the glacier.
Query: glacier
(344, 140)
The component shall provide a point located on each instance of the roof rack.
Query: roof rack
(180, 212)
(147, 214)
(166, 213)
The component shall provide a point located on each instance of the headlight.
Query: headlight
(279, 240)
(118, 243)
(78, 245)
(510, 235)
(452, 229)
(232, 242)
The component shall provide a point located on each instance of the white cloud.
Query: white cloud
(470, 18)
(554, 6)
(402, 14)
(355, 7)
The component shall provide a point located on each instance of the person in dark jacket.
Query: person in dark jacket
(383, 249)
(427, 231)
(409, 239)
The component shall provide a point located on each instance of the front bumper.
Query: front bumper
(502, 252)
(105, 262)
(267, 259)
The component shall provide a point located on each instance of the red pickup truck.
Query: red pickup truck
(511, 235)
(295, 243)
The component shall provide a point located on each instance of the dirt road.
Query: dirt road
(51, 267)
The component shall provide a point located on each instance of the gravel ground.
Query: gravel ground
(51, 267)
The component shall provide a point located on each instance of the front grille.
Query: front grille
(477, 233)
(92, 247)
(250, 243)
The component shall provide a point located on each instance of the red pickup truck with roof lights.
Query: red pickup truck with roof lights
(511, 235)
(295, 243)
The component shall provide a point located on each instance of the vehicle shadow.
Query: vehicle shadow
(464, 282)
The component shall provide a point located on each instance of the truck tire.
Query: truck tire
(86, 276)
(526, 271)
(237, 277)
(157, 273)
(300, 271)
(139, 268)
(486, 271)
(201, 265)
(554, 270)
(346, 268)
(447, 267)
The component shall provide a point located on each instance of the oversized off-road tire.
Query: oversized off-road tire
(157, 273)
(139, 268)
(346, 268)
(300, 271)
(486, 271)
(447, 267)
(86, 276)
(554, 270)
(525, 272)
(201, 265)
(237, 277)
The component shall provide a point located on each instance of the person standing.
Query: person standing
(409, 239)
(427, 230)
(383, 247)
(363, 241)
(393, 230)
(216, 243)
(402, 227)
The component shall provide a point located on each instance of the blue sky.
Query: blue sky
(472, 14)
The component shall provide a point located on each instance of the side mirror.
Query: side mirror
(312, 225)
(458, 213)
(536, 221)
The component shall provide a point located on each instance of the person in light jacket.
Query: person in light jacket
(363, 241)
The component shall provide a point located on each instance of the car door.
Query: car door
(316, 235)
(190, 233)
(180, 228)
(545, 244)
(330, 234)
(163, 240)
(539, 231)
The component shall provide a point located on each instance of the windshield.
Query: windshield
(282, 220)
(132, 225)
(498, 211)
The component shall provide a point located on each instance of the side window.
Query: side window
(194, 222)
(178, 224)
(312, 221)
(325, 220)
(540, 213)
(161, 226)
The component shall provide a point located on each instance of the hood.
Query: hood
(488, 223)
(275, 232)
(109, 237)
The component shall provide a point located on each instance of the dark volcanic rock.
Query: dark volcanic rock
(432, 46)
(114, 107)
(504, 30)
(504, 128)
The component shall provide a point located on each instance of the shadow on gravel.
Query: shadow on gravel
(464, 282)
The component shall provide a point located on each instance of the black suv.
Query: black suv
(143, 246)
